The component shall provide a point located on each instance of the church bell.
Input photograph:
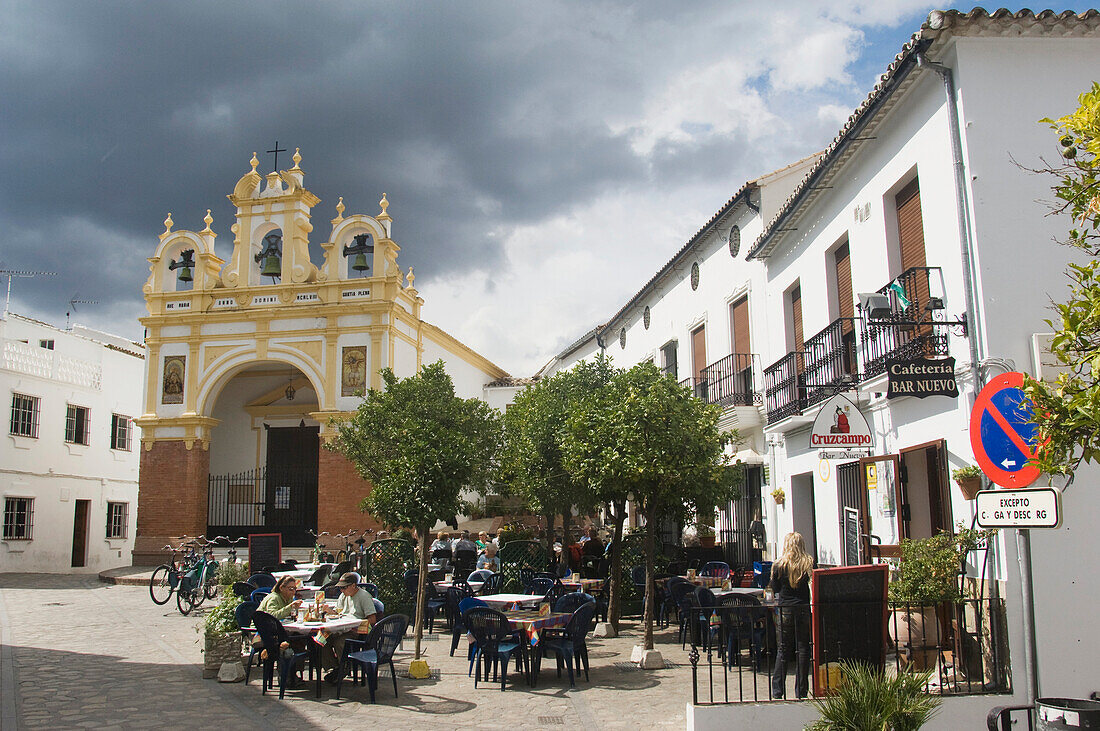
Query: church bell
(184, 265)
(272, 266)
(359, 263)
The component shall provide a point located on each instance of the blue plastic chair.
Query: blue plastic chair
(539, 586)
(259, 594)
(377, 650)
(479, 575)
(495, 642)
(261, 580)
(273, 635)
(469, 603)
(372, 588)
(455, 595)
(243, 589)
(243, 614)
(744, 620)
(705, 602)
(570, 647)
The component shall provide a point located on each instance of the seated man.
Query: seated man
(464, 544)
(489, 560)
(591, 545)
(354, 602)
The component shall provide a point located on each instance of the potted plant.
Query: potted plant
(706, 535)
(969, 480)
(923, 590)
(221, 635)
(868, 697)
(779, 496)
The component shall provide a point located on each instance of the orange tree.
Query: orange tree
(419, 445)
(646, 437)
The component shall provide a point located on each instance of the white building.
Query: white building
(70, 461)
(924, 197)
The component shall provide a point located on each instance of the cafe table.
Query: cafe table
(334, 625)
(742, 590)
(589, 586)
(531, 622)
(300, 572)
(497, 601)
(443, 586)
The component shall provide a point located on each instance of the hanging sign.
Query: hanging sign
(922, 377)
(841, 428)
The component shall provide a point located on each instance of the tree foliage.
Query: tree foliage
(532, 463)
(419, 445)
(1067, 411)
(646, 436)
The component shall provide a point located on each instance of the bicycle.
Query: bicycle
(200, 582)
(348, 550)
(165, 579)
(319, 555)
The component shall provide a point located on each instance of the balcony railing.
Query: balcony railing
(886, 339)
(734, 647)
(830, 358)
(785, 387)
(730, 381)
(851, 350)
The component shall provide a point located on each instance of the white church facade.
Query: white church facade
(251, 358)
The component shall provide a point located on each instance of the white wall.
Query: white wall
(83, 372)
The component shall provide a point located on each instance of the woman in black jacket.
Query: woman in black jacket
(791, 583)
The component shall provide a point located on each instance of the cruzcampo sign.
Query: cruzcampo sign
(840, 426)
(922, 377)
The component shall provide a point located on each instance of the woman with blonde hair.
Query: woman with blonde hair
(790, 581)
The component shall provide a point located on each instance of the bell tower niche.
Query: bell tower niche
(271, 235)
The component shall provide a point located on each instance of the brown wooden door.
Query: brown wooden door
(699, 352)
(739, 319)
(80, 533)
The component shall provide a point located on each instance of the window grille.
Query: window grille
(76, 424)
(24, 415)
(116, 519)
(121, 431)
(18, 518)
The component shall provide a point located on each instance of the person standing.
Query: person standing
(790, 581)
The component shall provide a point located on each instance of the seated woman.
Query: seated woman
(482, 541)
(280, 603)
(489, 559)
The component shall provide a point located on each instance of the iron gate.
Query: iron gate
(248, 502)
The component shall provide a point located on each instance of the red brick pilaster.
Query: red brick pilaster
(339, 490)
(171, 497)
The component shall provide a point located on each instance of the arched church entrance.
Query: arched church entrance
(264, 455)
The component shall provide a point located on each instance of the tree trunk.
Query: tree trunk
(566, 520)
(650, 594)
(548, 519)
(421, 590)
(615, 575)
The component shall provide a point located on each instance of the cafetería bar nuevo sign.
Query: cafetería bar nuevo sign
(840, 426)
(922, 377)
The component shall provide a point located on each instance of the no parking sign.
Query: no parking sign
(1001, 433)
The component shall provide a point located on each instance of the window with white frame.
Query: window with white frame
(24, 415)
(18, 518)
(77, 422)
(116, 519)
(121, 430)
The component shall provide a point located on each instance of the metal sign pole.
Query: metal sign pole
(1023, 552)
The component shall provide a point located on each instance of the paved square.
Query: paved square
(77, 653)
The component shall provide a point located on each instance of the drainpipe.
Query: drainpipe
(1023, 539)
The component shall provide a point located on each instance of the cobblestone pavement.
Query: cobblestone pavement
(77, 653)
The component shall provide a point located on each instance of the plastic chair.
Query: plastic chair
(243, 589)
(479, 575)
(719, 569)
(495, 641)
(258, 594)
(539, 586)
(571, 644)
(682, 596)
(469, 603)
(465, 560)
(342, 568)
(286, 566)
(525, 575)
(377, 650)
(455, 595)
(320, 576)
(556, 592)
(705, 602)
(493, 585)
(261, 579)
(743, 620)
(372, 588)
(571, 602)
(434, 602)
(243, 614)
(273, 635)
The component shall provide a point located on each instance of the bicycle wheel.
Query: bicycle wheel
(185, 601)
(342, 556)
(159, 588)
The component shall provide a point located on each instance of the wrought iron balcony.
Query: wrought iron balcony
(785, 387)
(830, 359)
(730, 381)
(896, 336)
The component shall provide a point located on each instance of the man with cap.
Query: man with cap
(352, 602)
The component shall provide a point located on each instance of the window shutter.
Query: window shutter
(740, 318)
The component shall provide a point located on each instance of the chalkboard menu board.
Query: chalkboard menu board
(264, 549)
(849, 617)
(851, 537)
